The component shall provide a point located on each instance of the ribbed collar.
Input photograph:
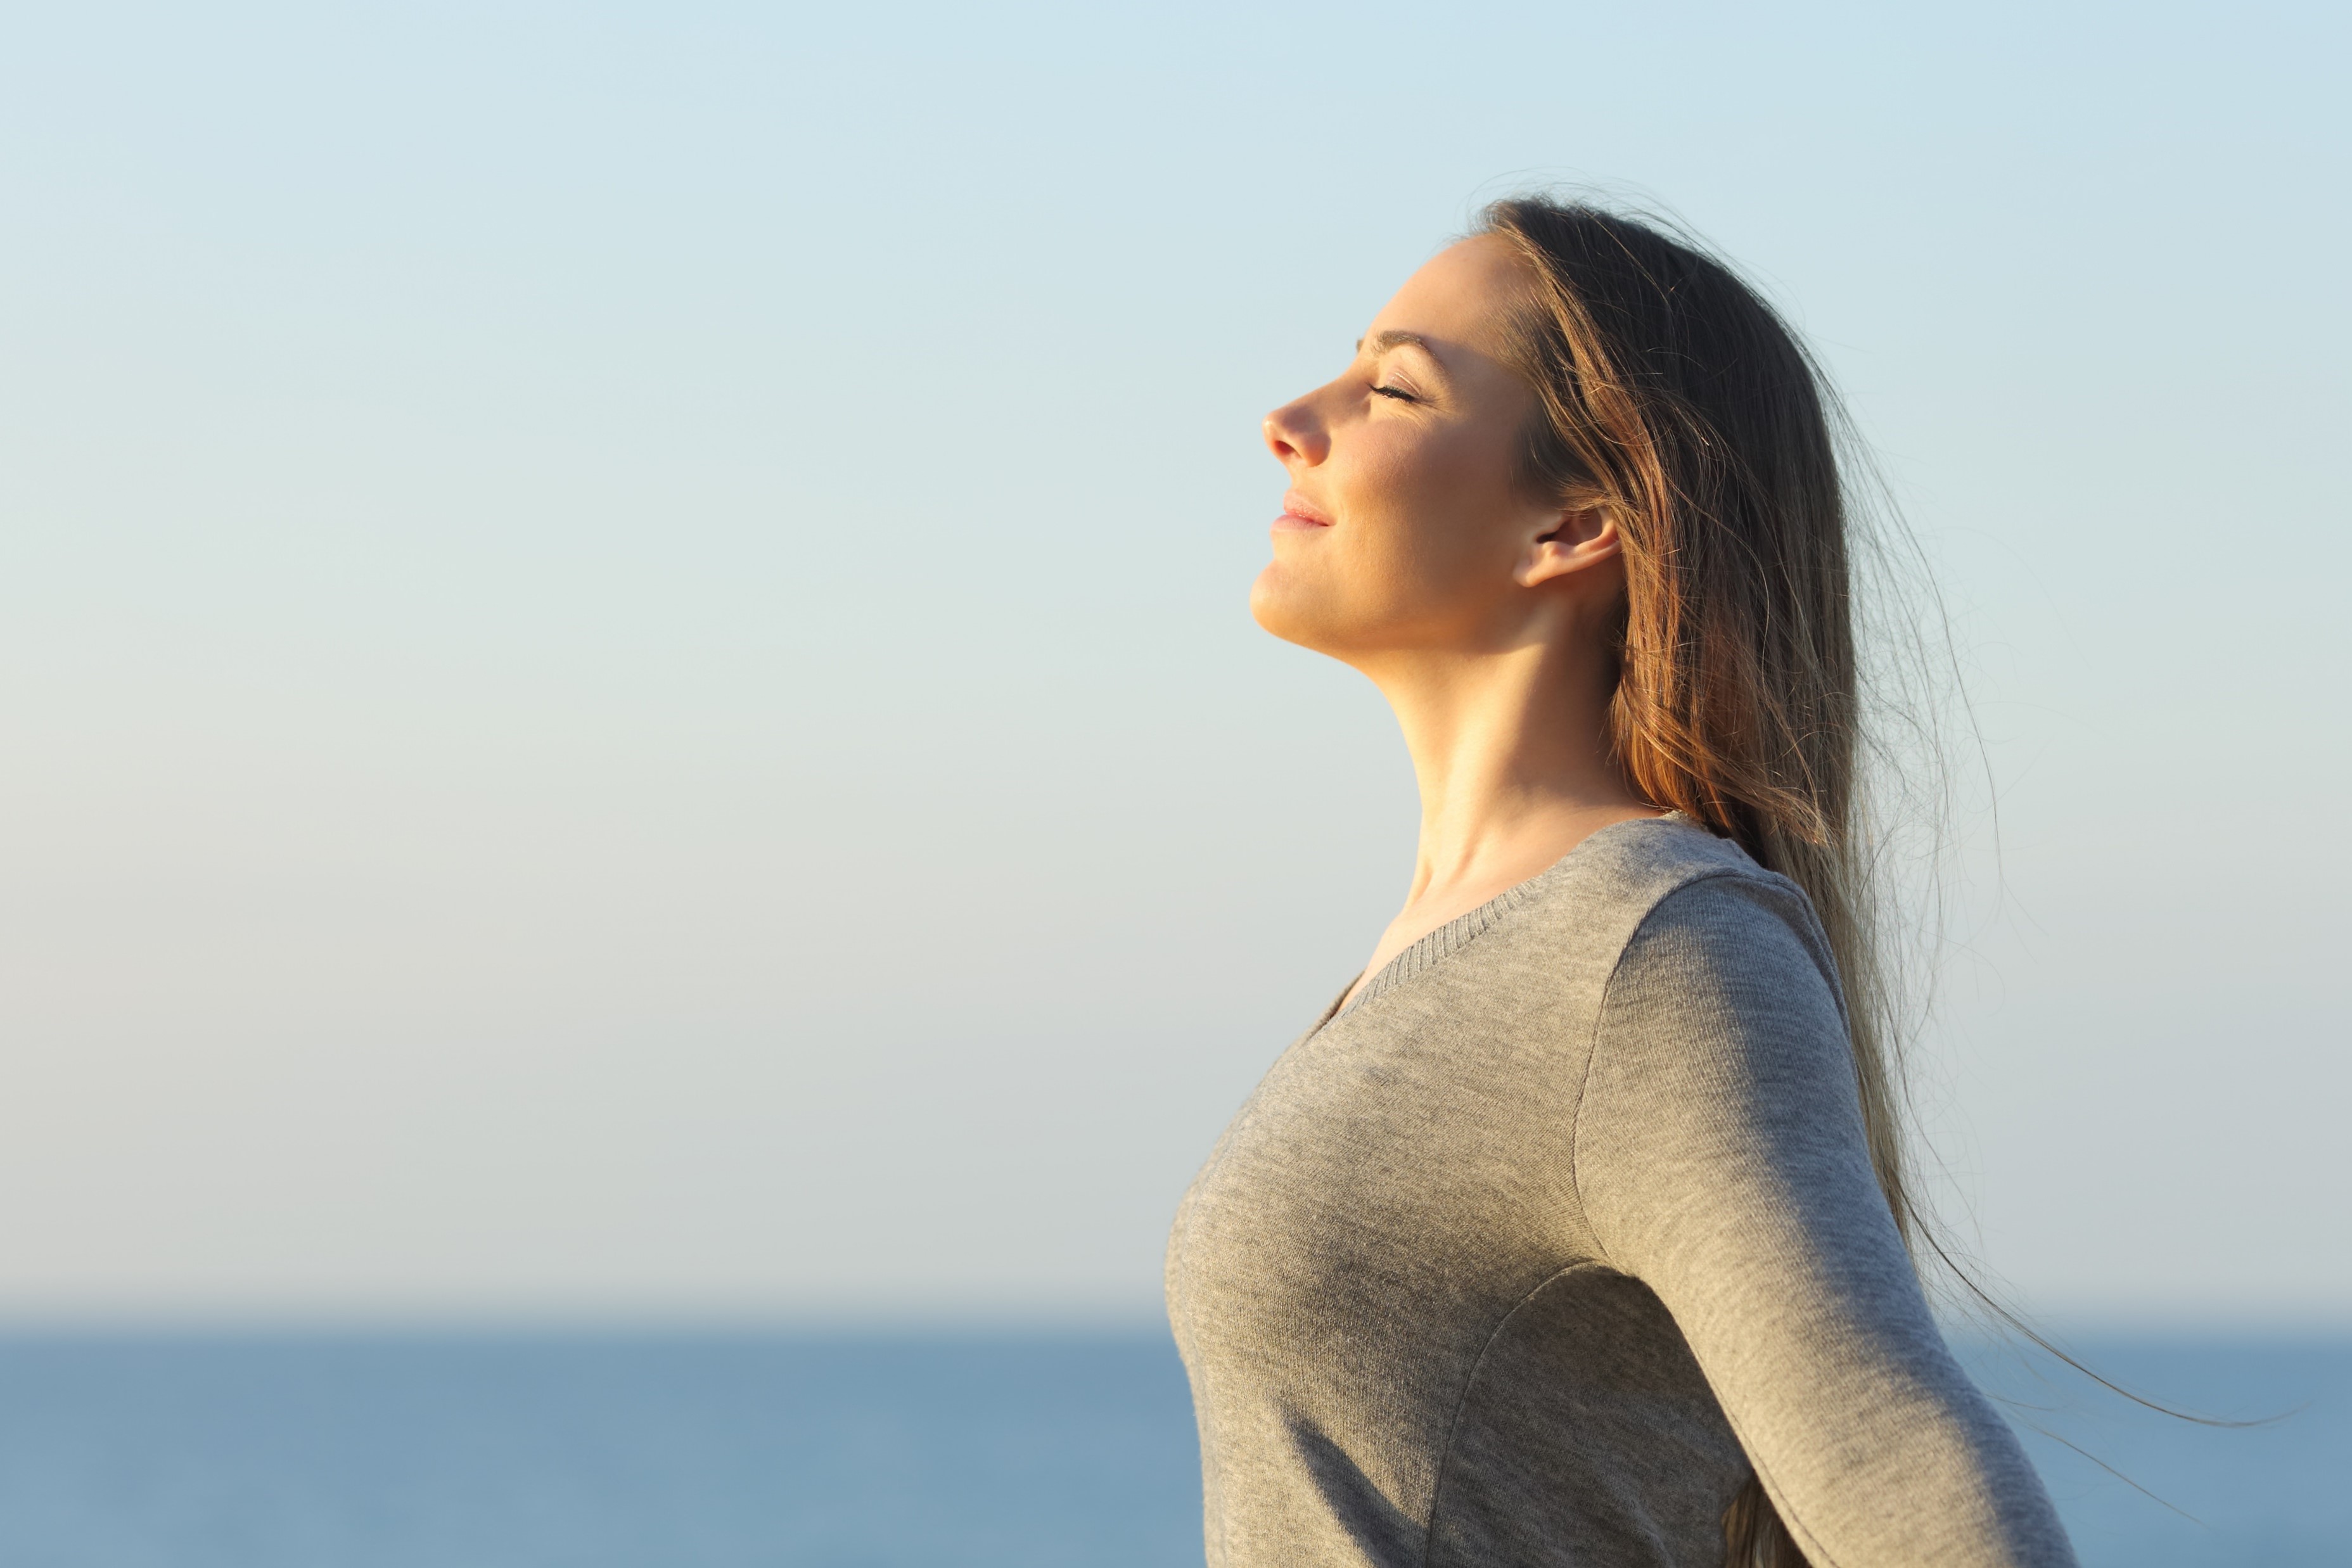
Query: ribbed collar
(1463, 930)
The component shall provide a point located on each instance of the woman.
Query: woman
(1575, 1231)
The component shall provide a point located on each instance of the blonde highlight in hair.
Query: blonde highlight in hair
(1670, 393)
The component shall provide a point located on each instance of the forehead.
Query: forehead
(1458, 293)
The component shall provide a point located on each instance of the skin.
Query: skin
(1408, 550)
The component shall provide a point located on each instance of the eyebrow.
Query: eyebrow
(1381, 342)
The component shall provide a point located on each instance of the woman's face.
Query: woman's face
(1404, 529)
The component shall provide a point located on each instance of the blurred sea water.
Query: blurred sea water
(893, 1452)
(2141, 1487)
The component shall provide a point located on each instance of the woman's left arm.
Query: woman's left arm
(1720, 1159)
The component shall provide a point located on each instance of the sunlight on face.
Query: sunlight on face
(1403, 521)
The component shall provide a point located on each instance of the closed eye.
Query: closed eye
(1397, 393)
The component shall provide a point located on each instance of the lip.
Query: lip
(1301, 515)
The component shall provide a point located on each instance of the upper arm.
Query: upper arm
(1721, 1160)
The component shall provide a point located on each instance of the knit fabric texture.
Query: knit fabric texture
(1561, 1229)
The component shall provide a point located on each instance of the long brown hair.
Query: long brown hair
(1673, 395)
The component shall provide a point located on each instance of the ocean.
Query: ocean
(847, 1451)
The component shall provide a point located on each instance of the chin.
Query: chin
(1279, 605)
(1272, 603)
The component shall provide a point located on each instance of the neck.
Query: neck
(1511, 750)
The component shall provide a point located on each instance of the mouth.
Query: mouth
(1299, 514)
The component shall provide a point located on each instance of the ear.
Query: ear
(1572, 540)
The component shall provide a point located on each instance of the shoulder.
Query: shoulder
(1667, 887)
(1720, 1056)
(1657, 926)
(1707, 951)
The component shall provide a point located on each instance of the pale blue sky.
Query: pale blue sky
(623, 674)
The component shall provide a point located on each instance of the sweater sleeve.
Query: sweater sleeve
(1720, 1159)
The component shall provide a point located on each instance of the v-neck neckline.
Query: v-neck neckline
(1432, 947)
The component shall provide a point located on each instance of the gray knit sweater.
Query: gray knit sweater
(1528, 1254)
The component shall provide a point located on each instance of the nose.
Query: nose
(1295, 436)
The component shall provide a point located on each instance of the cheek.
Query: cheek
(1422, 551)
(1442, 512)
